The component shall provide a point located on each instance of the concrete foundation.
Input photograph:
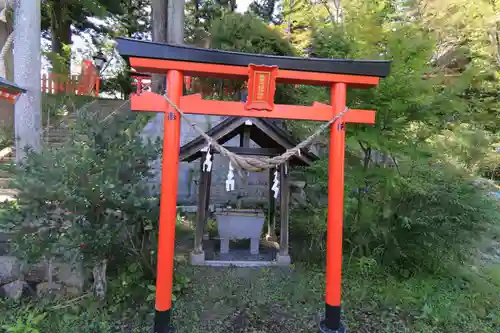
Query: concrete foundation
(283, 260)
(197, 259)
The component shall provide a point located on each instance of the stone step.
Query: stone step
(5, 174)
(5, 182)
(57, 136)
(8, 159)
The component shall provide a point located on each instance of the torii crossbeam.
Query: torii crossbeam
(262, 72)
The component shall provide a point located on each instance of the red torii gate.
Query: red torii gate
(177, 61)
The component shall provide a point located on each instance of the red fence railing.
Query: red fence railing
(87, 83)
(57, 84)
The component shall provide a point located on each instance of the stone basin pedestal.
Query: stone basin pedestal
(234, 224)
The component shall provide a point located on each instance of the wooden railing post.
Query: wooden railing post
(49, 84)
(44, 83)
(97, 85)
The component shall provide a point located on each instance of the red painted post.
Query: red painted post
(44, 83)
(168, 201)
(332, 322)
(97, 85)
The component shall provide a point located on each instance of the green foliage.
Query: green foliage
(6, 136)
(410, 203)
(264, 9)
(93, 201)
(133, 21)
(410, 218)
(78, 12)
(470, 148)
(60, 60)
(200, 16)
(28, 323)
(244, 33)
(270, 300)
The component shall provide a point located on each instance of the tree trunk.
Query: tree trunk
(159, 22)
(27, 66)
(60, 25)
(175, 26)
(6, 45)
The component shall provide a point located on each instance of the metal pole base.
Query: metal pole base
(324, 329)
(162, 322)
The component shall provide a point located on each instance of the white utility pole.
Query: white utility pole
(27, 66)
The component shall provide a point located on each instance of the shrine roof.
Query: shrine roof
(10, 87)
(131, 48)
(264, 132)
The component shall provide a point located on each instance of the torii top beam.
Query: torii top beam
(151, 57)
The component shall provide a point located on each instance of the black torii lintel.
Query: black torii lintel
(131, 48)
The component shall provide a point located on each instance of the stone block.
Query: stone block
(46, 288)
(72, 291)
(224, 245)
(13, 290)
(10, 269)
(69, 275)
(254, 245)
(197, 258)
(283, 260)
(36, 273)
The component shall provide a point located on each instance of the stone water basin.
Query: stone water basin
(234, 224)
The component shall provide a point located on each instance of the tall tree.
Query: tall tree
(200, 14)
(61, 19)
(168, 27)
(27, 66)
(175, 26)
(467, 40)
(159, 21)
(265, 9)
(135, 19)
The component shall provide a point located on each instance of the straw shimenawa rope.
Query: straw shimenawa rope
(249, 163)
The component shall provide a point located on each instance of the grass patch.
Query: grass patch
(268, 300)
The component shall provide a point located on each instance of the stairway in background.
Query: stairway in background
(56, 135)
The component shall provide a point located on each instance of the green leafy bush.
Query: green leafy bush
(29, 322)
(245, 33)
(419, 218)
(89, 199)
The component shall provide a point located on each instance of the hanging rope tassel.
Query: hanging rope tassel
(207, 165)
(230, 179)
(276, 184)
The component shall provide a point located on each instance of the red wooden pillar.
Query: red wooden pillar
(335, 214)
(168, 200)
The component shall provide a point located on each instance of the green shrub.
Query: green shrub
(417, 221)
(89, 199)
(6, 136)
